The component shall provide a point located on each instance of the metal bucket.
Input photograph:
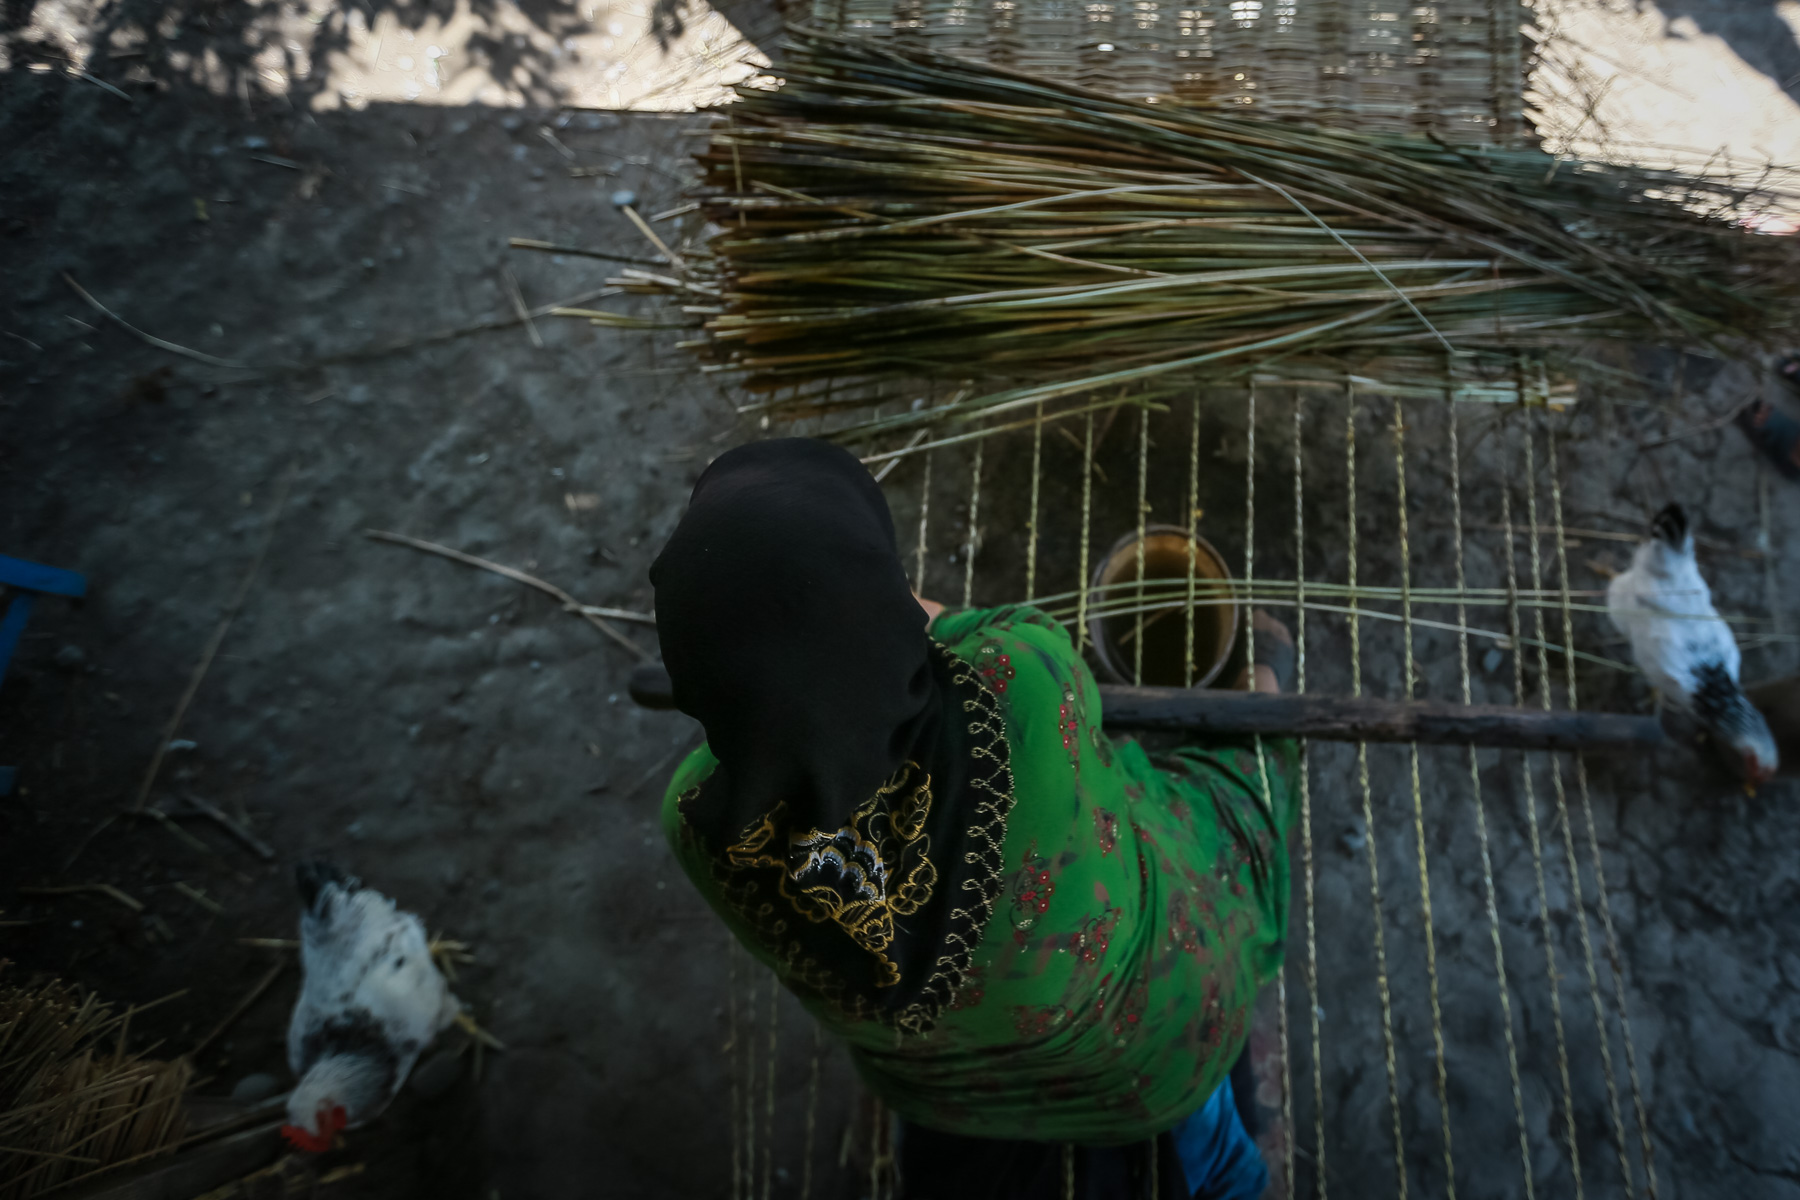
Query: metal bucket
(1169, 554)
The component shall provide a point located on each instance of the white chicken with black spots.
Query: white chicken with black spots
(371, 1000)
(1686, 651)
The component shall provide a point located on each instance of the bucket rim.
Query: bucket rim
(1232, 611)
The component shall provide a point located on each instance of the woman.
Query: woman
(1023, 931)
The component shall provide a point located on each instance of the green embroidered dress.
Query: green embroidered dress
(1097, 980)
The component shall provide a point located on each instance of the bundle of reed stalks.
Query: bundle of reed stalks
(885, 217)
(73, 1102)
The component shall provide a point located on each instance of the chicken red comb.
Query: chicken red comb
(331, 1122)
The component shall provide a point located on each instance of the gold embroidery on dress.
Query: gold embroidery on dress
(881, 851)
(859, 877)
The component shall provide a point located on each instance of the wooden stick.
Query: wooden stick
(243, 1006)
(1209, 711)
(98, 889)
(1365, 719)
(570, 604)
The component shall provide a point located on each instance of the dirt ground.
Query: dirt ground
(469, 748)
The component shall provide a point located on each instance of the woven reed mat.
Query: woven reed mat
(1454, 69)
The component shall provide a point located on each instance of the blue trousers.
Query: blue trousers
(1218, 1159)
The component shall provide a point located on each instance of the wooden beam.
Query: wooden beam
(1208, 711)
(1365, 719)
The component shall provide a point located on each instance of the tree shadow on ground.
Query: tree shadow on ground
(287, 49)
(1754, 30)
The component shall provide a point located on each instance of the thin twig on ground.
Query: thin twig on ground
(662, 247)
(887, 467)
(159, 343)
(1703, 427)
(570, 604)
(101, 83)
(444, 335)
(662, 764)
(617, 614)
(520, 243)
(518, 302)
(201, 898)
(231, 825)
(243, 1006)
(98, 889)
(212, 645)
(167, 822)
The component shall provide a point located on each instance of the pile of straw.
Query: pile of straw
(887, 217)
(71, 1107)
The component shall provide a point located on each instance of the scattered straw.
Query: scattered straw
(69, 1107)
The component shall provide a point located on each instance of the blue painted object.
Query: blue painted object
(28, 580)
(1218, 1159)
(35, 577)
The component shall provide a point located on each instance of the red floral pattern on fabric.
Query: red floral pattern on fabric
(1030, 890)
(995, 667)
(1106, 831)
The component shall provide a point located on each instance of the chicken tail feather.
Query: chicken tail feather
(1671, 526)
(311, 877)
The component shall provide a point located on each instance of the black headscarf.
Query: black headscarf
(789, 630)
(863, 777)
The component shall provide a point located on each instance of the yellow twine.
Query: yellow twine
(1137, 642)
(769, 1108)
(974, 517)
(1193, 547)
(812, 1112)
(924, 517)
(1481, 830)
(1568, 832)
(1087, 502)
(1437, 1015)
(731, 1049)
(1031, 527)
(1531, 823)
(1306, 832)
(1362, 777)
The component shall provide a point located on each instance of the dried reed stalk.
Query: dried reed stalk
(71, 1106)
(884, 216)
